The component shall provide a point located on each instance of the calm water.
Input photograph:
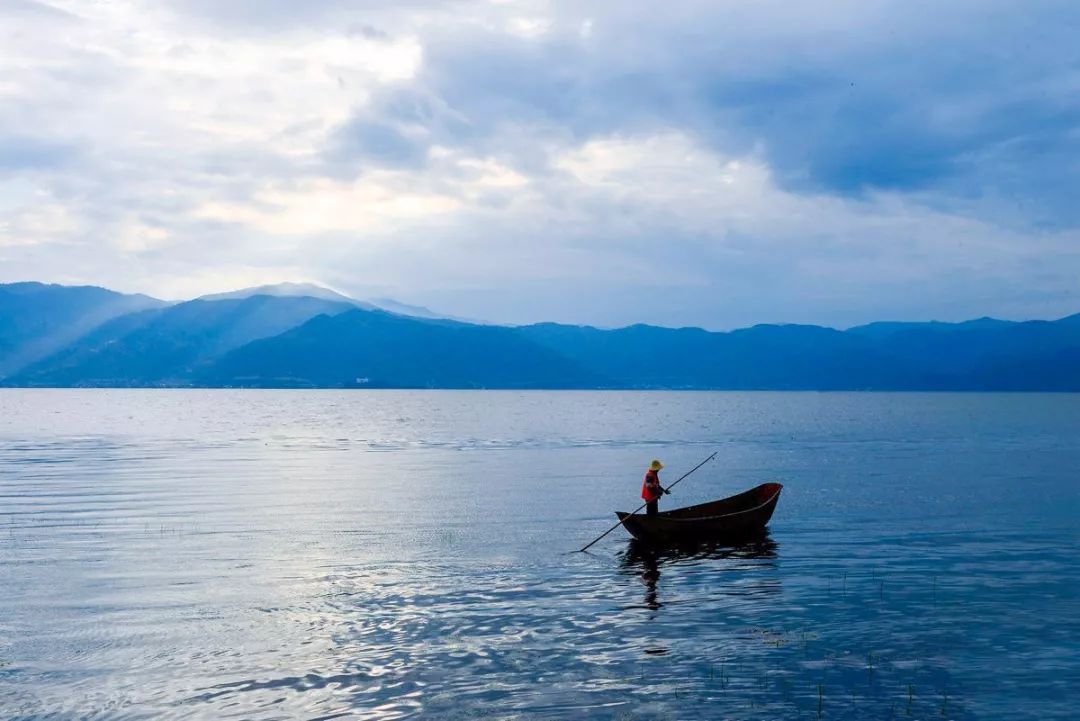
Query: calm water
(384, 555)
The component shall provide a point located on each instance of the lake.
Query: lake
(189, 554)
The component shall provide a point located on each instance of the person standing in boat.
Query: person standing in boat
(651, 490)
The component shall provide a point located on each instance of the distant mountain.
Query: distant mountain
(38, 319)
(310, 290)
(383, 350)
(884, 329)
(295, 335)
(378, 349)
(988, 354)
(416, 311)
(288, 290)
(765, 356)
(166, 346)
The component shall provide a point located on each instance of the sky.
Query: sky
(711, 163)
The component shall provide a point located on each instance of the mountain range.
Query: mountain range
(305, 336)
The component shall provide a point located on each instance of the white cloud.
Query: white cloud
(136, 236)
(37, 223)
(323, 206)
(529, 27)
(529, 160)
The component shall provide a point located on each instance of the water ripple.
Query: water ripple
(290, 555)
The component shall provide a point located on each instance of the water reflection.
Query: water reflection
(289, 593)
(646, 561)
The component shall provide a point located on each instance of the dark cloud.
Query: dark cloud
(974, 99)
(964, 104)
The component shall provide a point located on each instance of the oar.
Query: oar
(647, 503)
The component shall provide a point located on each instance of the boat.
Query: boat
(739, 516)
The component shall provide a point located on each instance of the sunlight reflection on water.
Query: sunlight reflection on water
(215, 554)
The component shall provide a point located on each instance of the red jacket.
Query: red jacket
(650, 488)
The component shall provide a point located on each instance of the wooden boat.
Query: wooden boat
(732, 518)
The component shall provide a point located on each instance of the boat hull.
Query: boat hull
(728, 519)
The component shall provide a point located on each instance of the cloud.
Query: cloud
(716, 163)
(324, 206)
(22, 153)
(32, 9)
(373, 143)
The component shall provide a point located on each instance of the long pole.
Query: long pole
(585, 548)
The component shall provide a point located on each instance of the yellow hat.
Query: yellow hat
(655, 465)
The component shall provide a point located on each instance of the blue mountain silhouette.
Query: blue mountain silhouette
(79, 336)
